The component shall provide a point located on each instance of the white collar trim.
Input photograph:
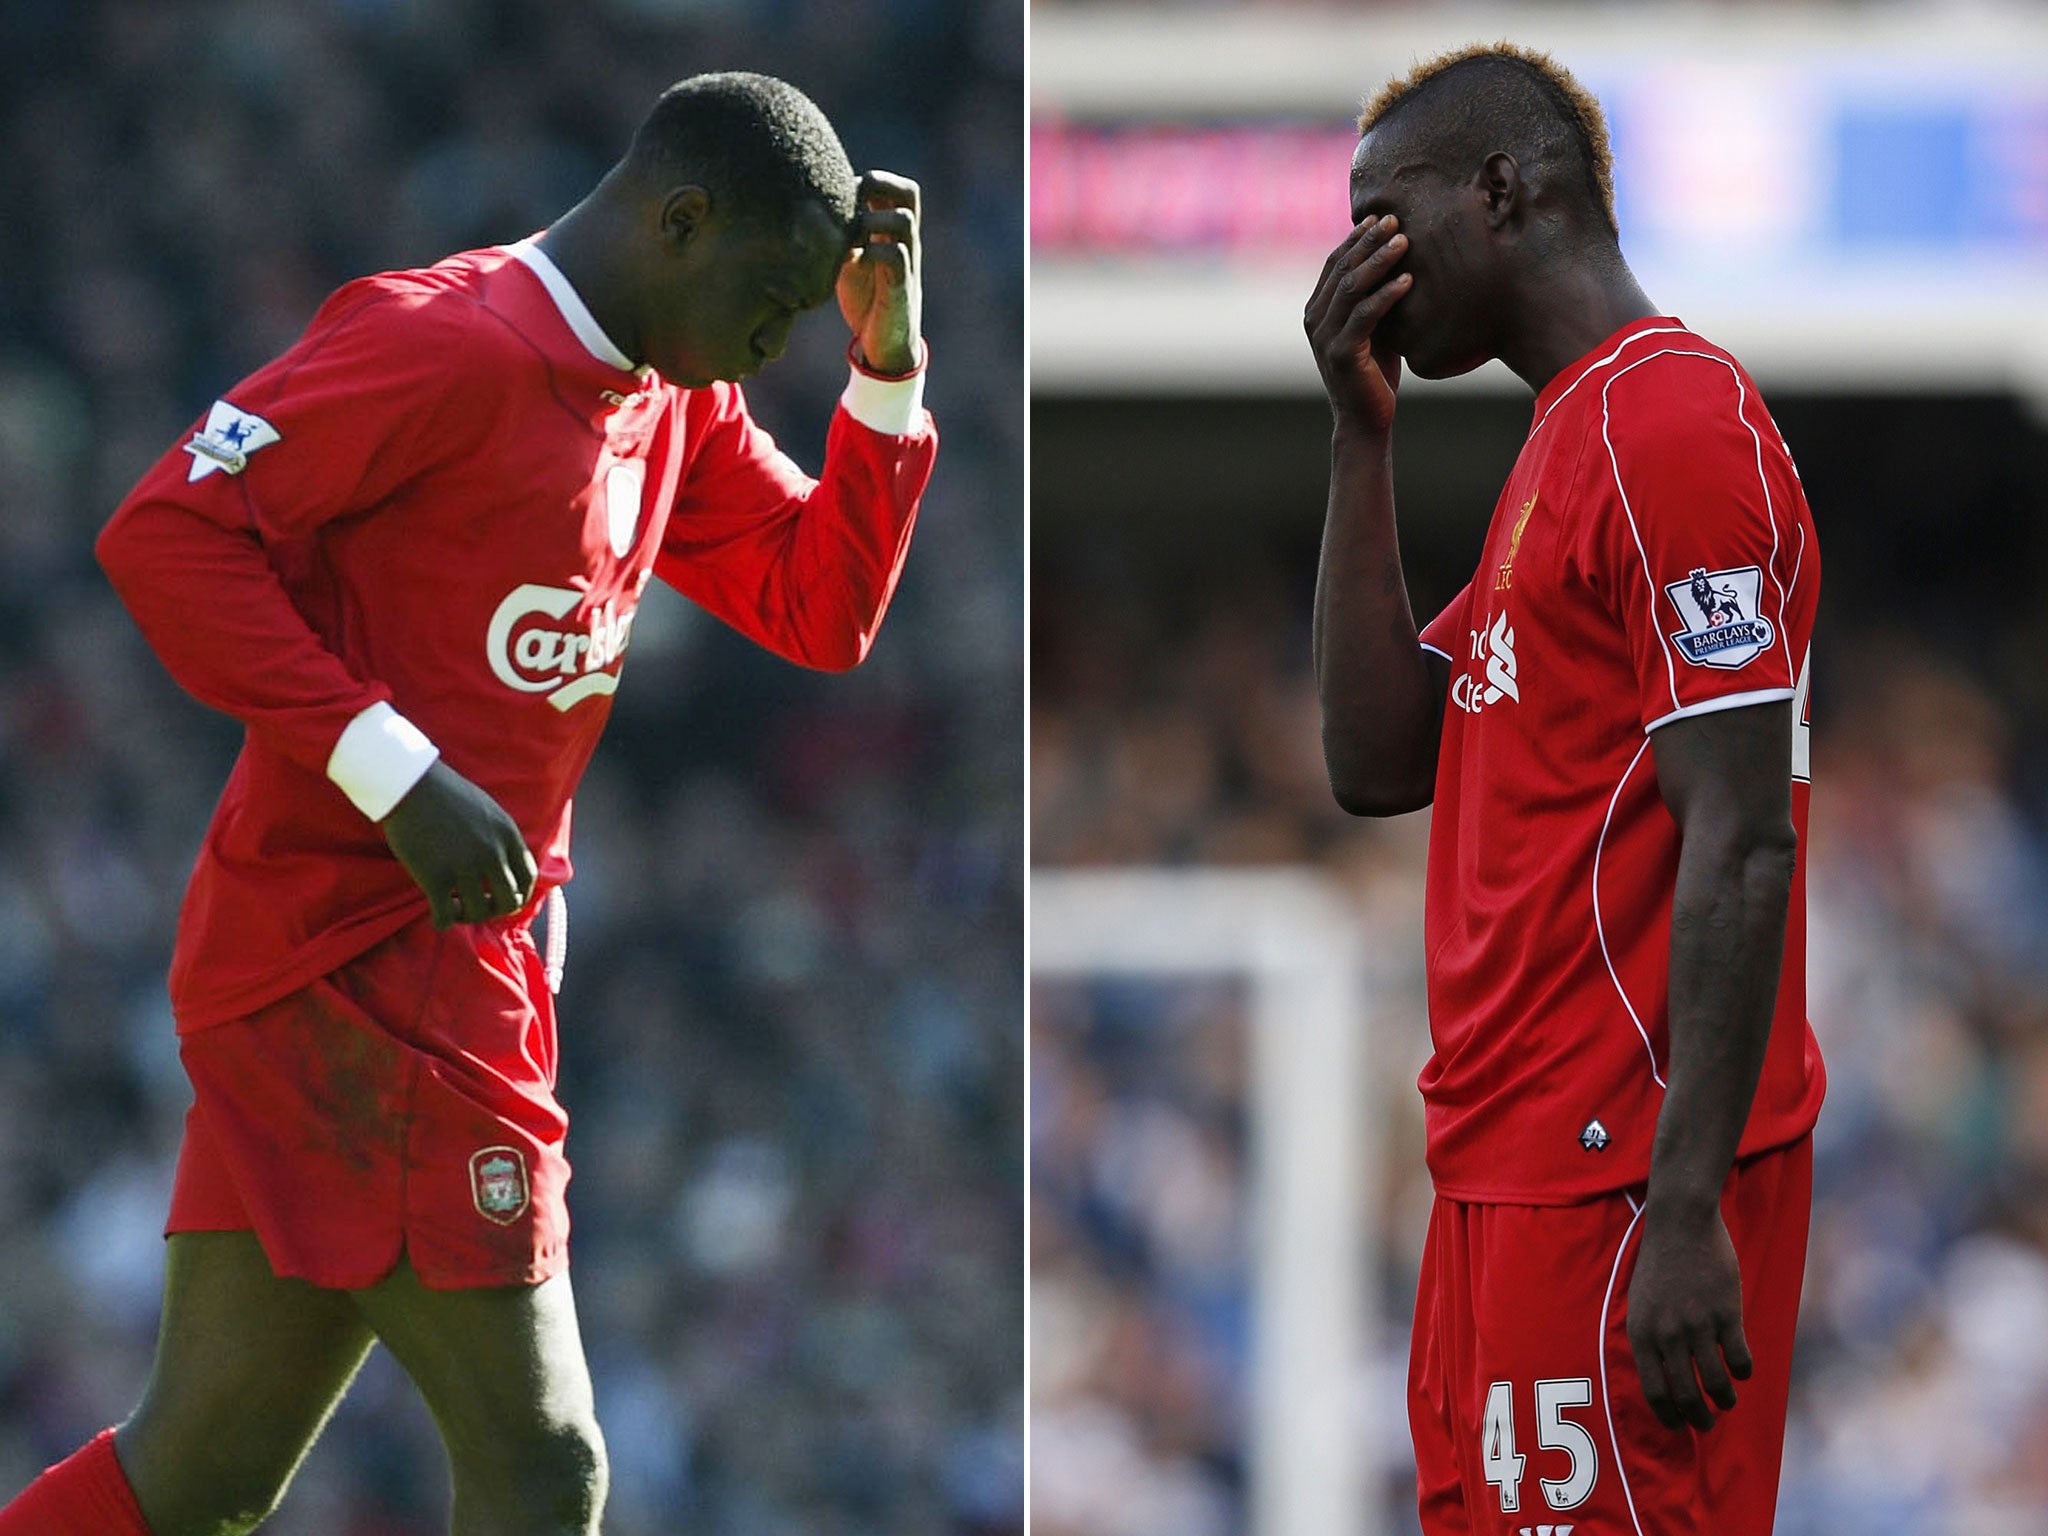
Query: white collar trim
(570, 303)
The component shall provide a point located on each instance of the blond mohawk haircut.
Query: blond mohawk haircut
(1493, 66)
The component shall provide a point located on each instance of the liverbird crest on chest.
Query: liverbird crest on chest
(1504, 578)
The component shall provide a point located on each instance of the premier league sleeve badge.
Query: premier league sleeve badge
(1719, 608)
(224, 444)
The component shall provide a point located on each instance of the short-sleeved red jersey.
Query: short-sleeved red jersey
(1651, 557)
(447, 499)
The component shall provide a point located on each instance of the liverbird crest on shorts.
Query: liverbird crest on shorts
(497, 1184)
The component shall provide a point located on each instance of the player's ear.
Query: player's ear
(1499, 183)
(683, 215)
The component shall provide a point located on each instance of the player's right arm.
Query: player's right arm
(331, 428)
(807, 567)
(1382, 694)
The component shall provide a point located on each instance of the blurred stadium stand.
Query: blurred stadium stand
(1177, 500)
(791, 1027)
(1823, 186)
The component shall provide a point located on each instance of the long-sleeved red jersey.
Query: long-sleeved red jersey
(427, 527)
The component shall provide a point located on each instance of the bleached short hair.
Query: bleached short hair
(1512, 98)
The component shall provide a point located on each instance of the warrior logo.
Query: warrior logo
(568, 665)
(1546, 1530)
(497, 1184)
(1722, 626)
(1594, 1137)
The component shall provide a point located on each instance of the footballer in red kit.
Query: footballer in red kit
(1610, 722)
(406, 556)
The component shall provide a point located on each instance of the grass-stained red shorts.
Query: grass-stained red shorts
(403, 1104)
(1523, 1398)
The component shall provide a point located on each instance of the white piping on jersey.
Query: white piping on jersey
(1447, 656)
(1663, 645)
(1662, 330)
(1799, 559)
(1770, 506)
(570, 303)
(1724, 701)
(1600, 1351)
(1600, 927)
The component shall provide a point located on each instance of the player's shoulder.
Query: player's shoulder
(1676, 374)
(1676, 369)
(440, 310)
(1684, 400)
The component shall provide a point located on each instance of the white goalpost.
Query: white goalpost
(1314, 1172)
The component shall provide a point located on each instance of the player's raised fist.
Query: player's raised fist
(881, 286)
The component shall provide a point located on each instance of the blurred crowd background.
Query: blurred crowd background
(1174, 722)
(1784, 172)
(791, 1025)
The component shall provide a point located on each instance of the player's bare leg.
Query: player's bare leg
(248, 1369)
(503, 1373)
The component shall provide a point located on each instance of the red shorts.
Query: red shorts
(403, 1104)
(1523, 1397)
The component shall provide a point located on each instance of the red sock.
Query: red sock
(86, 1494)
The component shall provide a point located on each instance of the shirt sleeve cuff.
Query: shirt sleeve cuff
(891, 406)
(1723, 701)
(379, 757)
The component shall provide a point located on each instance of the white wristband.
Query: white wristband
(380, 756)
(893, 407)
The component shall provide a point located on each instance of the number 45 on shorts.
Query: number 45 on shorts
(1503, 1465)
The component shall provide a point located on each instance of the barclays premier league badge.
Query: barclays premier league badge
(226, 441)
(1723, 627)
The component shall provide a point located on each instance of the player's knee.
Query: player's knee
(576, 1475)
(556, 1477)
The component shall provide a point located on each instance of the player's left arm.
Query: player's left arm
(1726, 777)
(807, 567)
